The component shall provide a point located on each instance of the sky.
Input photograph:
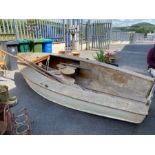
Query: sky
(129, 22)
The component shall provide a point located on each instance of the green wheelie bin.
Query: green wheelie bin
(23, 46)
(37, 45)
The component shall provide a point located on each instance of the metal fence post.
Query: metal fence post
(15, 28)
(87, 35)
(81, 34)
(64, 31)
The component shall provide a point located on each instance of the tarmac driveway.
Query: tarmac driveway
(52, 119)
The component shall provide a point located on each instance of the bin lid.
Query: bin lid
(20, 41)
(3, 41)
(12, 43)
(23, 41)
(38, 40)
(48, 40)
(27, 41)
(30, 40)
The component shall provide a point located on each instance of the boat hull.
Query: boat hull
(86, 106)
(126, 95)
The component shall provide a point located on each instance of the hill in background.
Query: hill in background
(139, 28)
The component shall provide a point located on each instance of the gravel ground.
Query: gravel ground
(52, 119)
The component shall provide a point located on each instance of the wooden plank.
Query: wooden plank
(39, 59)
(34, 57)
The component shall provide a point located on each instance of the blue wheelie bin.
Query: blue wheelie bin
(47, 45)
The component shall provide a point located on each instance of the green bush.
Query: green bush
(101, 57)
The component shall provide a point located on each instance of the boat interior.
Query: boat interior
(98, 78)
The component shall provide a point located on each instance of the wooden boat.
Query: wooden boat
(95, 87)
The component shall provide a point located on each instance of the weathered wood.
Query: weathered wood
(33, 65)
(63, 78)
(114, 79)
(86, 106)
(106, 90)
(75, 95)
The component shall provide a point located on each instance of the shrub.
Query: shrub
(101, 57)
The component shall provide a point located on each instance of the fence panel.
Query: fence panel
(94, 33)
(33, 28)
(6, 30)
(101, 30)
(126, 36)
